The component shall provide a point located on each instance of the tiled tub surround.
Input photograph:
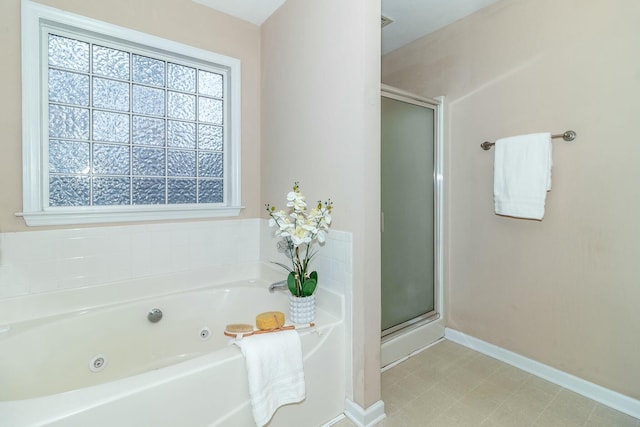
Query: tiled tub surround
(163, 373)
(42, 261)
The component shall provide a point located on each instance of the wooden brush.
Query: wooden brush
(233, 333)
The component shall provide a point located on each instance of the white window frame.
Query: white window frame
(36, 209)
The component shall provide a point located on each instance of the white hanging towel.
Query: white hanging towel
(274, 370)
(522, 175)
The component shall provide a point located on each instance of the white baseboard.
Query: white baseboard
(593, 391)
(333, 421)
(364, 417)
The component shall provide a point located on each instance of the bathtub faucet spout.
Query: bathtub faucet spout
(278, 285)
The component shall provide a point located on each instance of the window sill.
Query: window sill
(77, 216)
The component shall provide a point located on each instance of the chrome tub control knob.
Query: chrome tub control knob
(154, 315)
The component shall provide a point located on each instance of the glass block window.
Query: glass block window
(126, 122)
(132, 129)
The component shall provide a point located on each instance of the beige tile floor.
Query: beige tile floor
(450, 385)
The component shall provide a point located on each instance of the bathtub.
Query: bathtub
(90, 356)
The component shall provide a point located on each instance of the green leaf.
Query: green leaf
(308, 287)
(286, 267)
(314, 276)
(291, 283)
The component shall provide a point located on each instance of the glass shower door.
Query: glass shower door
(407, 167)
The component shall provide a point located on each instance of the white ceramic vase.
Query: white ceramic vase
(302, 309)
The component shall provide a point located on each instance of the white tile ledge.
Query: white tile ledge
(585, 388)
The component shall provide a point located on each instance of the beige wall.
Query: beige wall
(321, 126)
(180, 20)
(564, 291)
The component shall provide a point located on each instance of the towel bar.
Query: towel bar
(567, 136)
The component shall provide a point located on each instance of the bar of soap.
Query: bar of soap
(269, 320)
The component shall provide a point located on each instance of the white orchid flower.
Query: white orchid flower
(291, 195)
(299, 229)
(326, 217)
(296, 200)
(299, 236)
(309, 224)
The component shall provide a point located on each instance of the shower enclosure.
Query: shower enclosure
(411, 221)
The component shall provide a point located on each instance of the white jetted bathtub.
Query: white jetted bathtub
(91, 356)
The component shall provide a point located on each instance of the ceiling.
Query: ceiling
(254, 11)
(412, 19)
(416, 18)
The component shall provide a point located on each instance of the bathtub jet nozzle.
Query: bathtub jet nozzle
(154, 315)
(98, 363)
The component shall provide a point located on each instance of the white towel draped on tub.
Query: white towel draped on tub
(522, 175)
(274, 370)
